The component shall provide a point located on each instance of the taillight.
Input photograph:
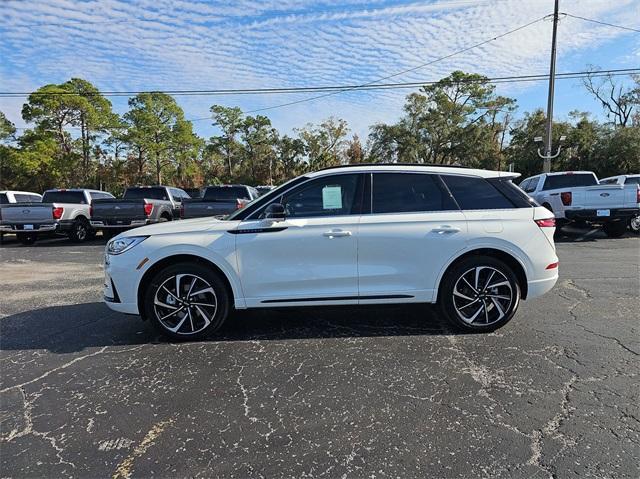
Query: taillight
(546, 223)
(182, 211)
(638, 195)
(552, 265)
(91, 211)
(57, 213)
(148, 208)
(565, 196)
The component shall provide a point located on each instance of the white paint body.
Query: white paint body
(343, 260)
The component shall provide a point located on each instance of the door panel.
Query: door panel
(298, 260)
(403, 254)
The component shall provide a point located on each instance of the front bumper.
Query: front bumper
(592, 215)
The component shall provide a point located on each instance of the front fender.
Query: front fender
(223, 257)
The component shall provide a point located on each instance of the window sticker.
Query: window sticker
(332, 198)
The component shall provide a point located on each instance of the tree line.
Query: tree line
(77, 140)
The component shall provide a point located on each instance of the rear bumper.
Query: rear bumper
(36, 228)
(119, 224)
(592, 215)
(539, 287)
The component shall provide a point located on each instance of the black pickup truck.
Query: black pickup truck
(139, 206)
(218, 201)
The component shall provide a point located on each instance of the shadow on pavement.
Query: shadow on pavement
(71, 328)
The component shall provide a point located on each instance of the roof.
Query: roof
(77, 189)
(450, 170)
(20, 192)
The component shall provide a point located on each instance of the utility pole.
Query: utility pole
(552, 80)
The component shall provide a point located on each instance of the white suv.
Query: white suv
(467, 239)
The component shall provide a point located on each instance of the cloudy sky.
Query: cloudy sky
(178, 44)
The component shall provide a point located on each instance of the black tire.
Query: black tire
(27, 239)
(634, 224)
(108, 234)
(80, 231)
(493, 311)
(614, 229)
(164, 218)
(190, 321)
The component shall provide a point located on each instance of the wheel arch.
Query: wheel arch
(506, 257)
(145, 280)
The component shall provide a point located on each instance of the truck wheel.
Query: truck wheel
(634, 224)
(186, 301)
(614, 229)
(80, 231)
(27, 239)
(164, 218)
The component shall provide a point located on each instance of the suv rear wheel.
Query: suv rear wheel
(480, 293)
(186, 301)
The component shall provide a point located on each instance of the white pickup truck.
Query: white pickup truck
(634, 222)
(578, 196)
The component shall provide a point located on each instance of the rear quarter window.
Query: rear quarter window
(476, 193)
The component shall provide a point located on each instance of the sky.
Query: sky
(123, 45)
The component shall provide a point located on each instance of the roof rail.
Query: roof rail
(393, 164)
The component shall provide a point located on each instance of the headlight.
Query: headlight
(120, 245)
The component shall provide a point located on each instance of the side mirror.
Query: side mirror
(274, 211)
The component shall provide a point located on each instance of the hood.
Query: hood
(182, 226)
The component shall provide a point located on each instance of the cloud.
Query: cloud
(165, 44)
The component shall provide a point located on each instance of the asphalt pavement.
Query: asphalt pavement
(334, 392)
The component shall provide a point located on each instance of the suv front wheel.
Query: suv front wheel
(480, 293)
(186, 301)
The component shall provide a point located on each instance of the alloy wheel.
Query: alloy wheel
(482, 296)
(185, 304)
(81, 232)
(635, 224)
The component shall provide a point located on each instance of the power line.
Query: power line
(325, 88)
(603, 23)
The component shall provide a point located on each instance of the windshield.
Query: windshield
(148, 193)
(217, 193)
(257, 203)
(555, 182)
(75, 197)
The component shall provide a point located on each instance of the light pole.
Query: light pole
(552, 80)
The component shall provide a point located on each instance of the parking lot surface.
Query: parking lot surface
(340, 392)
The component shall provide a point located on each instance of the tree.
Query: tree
(73, 104)
(324, 144)
(618, 100)
(157, 131)
(7, 129)
(259, 137)
(457, 120)
(229, 120)
(355, 153)
(289, 154)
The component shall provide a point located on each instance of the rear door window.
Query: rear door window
(23, 198)
(634, 180)
(408, 192)
(3, 199)
(73, 197)
(555, 182)
(476, 193)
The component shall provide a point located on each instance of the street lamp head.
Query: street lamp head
(563, 137)
(538, 139)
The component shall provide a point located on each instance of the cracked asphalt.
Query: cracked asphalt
(343, 392)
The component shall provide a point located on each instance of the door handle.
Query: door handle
(336, 234)
(445, 229)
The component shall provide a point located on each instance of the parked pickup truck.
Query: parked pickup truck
(139, 206)
(634, 221)
(578, 196)
(218, 201)
(61, 211)
(12, 197)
